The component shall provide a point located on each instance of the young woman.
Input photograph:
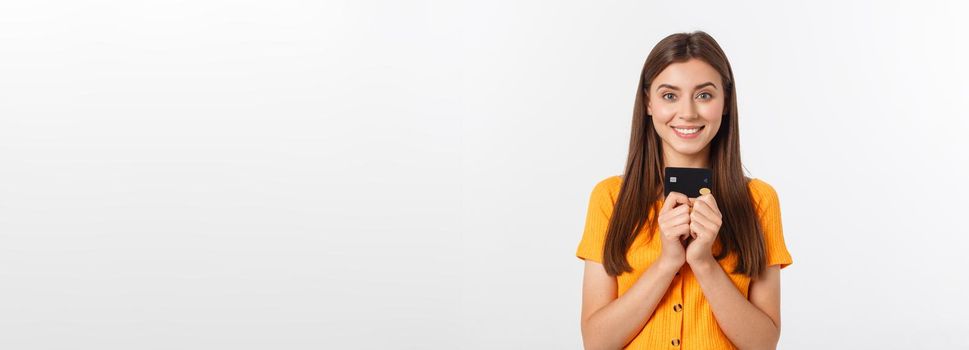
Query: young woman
(678, 272)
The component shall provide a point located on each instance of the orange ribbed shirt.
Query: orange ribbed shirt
(683, 319)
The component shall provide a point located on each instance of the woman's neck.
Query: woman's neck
(679, 160)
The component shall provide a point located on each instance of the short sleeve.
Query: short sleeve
(601, 202)
(769, 213)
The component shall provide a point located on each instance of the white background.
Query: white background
(364, 175)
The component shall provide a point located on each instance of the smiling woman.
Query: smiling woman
(702, 107)
(718, 291)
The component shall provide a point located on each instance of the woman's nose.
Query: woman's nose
(689, 111)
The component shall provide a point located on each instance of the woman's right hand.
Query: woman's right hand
(674, 228)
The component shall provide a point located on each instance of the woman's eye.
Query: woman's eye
(705, 95)
(668, 96)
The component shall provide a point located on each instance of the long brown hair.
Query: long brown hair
(642, 185)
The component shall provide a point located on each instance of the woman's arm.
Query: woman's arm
(753, 324)
(609, 322)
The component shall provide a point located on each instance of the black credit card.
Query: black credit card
(687, 181)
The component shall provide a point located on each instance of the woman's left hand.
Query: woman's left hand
(705, 221)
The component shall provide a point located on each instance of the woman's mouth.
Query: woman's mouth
(688, 132)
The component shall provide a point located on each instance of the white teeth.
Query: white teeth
(687, 131)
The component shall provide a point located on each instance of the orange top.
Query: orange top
(683, 319)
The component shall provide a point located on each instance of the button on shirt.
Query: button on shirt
(683, 319)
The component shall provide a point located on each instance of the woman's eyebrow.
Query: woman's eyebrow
(678, 89)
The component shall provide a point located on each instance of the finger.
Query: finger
(696, 229)
(702, 207)
(681, 210)
(678, 220)
(702, 224)
(669, 202)
(704, 212)
(712, 202)
(679, 198)
(677, 216)
(699, 217)
(699, 206)
(700, 228)
(682, 231)
(679, 231)
(668, 213)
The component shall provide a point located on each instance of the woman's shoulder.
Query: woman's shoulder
(611, 181)
(608, 186)
(761, 190)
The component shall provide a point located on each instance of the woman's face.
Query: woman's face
(686, 101)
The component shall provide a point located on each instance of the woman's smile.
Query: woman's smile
(690, 132)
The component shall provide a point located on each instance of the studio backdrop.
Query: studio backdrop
(415, 175)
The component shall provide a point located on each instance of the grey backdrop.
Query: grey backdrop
(364, 175)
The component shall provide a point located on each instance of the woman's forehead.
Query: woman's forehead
(688, 74)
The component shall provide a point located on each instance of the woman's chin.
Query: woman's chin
(688, 150)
